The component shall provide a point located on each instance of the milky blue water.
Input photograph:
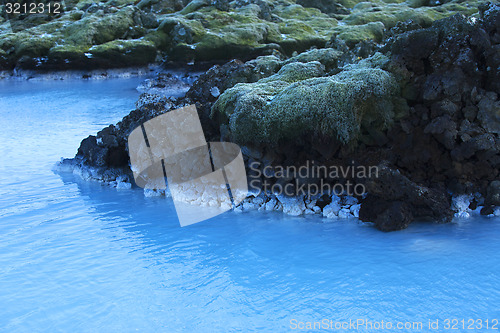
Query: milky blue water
(81, 257)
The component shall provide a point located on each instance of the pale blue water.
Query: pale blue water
(82, 257)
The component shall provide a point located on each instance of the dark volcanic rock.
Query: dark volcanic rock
(493, 196)
(454, 122)
(392, 195)
(397, 216)
(487, 210)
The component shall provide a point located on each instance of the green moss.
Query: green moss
(113, 26)
(222, 34)
(81, 32)
(26, 44)
(53, 28)
(117, 53)
(9, 41)
(333, 106)
(76, 15)
(194, 5)
(297, 71)
(211, 34)
(352, 35)
(159, 39)
(378, 60)
(264, 66)
(417, 3)
(286, 106)
(350, 3)
(181, 30)
(245, 34)
(197, 30)
(466, 8)
(391, 14)
(99, 29)
(214, 19)
(297, 12)
(301, 27)
(68, 53)
(328, 57)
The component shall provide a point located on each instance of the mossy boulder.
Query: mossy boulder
(28, 47)
(68, 56)
(352, 35)
(264, 66)
(120, 53)
(34, 46)
(328, 57)
(297, 71)
(100, 28)
(292, 105)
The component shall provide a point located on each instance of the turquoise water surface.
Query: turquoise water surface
(78, 256)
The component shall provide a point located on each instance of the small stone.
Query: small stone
(332, 210)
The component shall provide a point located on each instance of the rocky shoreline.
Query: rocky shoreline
(128, 33)
(419, 100)
(95, 74)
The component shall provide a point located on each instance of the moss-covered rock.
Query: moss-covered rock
(352, 35)
(29, 47)
(34, 46)
(330, 7)
(328, 57)
(207, 30)
(297, 71)
(207, 33)
(265, 66)
(120, 53)
(69, 56)
(100, 28)
(295, 103)
(392, 13)
(162, 6)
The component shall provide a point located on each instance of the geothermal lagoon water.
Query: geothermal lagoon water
(79, 256)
